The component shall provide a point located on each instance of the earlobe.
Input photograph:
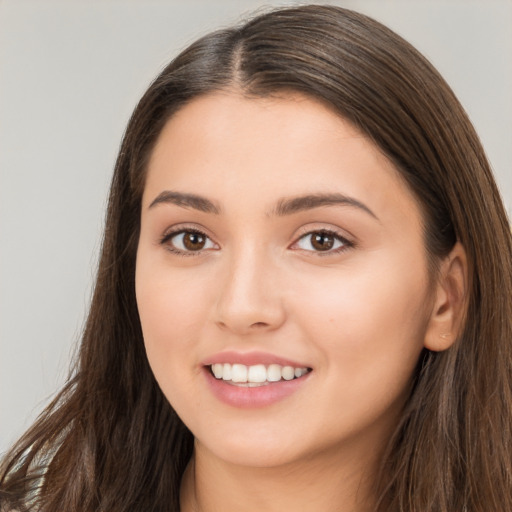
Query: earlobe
(450, 301)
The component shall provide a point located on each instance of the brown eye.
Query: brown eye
(194, 241)
(188, 241)
(322, 241)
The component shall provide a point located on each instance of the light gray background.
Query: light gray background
(70, 75)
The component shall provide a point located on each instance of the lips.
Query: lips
(252, 358)
(253, 379)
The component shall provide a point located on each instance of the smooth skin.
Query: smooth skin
(358, 310)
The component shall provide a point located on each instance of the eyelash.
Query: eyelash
(346, 244)
(169, 236)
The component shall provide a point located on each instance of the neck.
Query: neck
(329, 482)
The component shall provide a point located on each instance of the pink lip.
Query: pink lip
(246, 398)
(251, 358)
(252, 397)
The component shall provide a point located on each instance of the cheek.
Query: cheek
(368, 324)
(172, 314)
(165, 310)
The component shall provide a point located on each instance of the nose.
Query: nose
(250, 299)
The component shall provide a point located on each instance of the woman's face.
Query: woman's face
(275, 235)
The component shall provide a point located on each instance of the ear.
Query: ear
(449, 303)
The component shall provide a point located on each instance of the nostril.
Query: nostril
(259, 324)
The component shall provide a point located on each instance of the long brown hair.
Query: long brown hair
(111, 441)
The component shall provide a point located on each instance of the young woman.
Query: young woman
(303, 299)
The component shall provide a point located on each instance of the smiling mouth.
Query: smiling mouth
(255, 375)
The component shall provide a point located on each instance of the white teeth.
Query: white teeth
(288, 373)
(274, 373)
(226, 371)
(257, 374)
(217, 370)
(238, 373)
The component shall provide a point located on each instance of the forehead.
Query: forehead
(231, 147)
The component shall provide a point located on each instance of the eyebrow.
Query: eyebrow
(285, 206)
(186, 200)
(288, 206)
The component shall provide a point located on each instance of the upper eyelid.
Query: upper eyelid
(180, 228)
(308, 229)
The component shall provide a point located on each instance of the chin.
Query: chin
(258, 449)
